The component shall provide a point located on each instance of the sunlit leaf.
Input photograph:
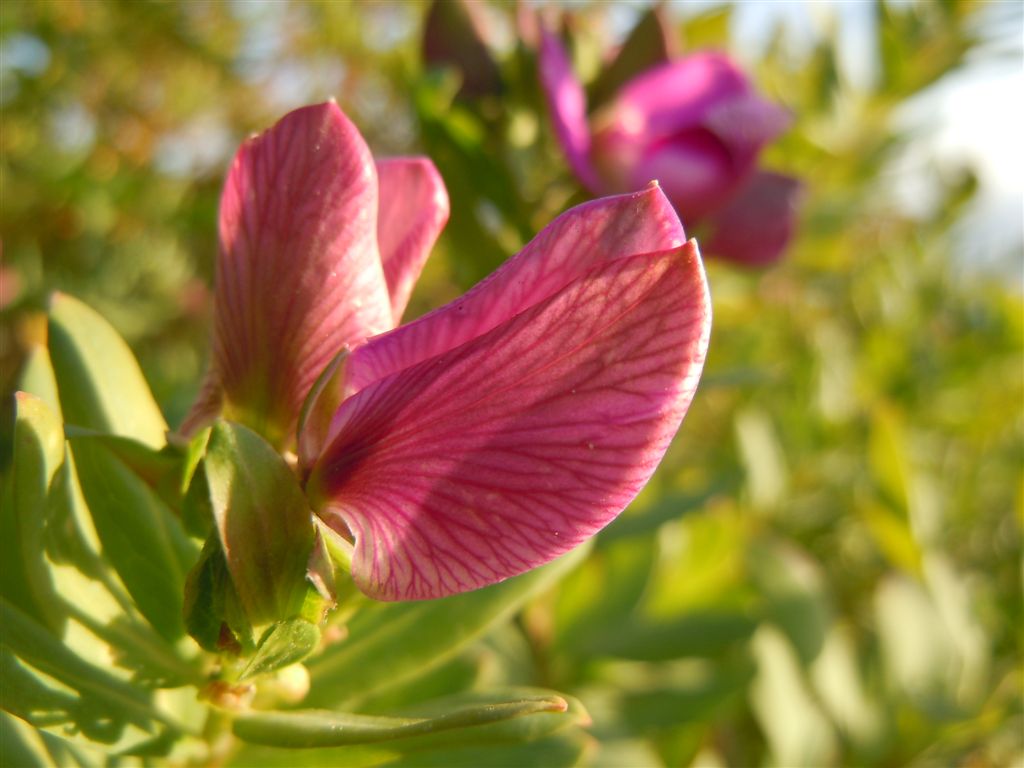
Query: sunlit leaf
(37, 378)
(101, 385)
(797, 731)
(110, 699)
(263, 521)
(140, 536)
(25, 578)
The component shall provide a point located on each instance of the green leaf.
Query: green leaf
(798, 732)
(282, 644)
(703, 633)
(562, 749)
(159, 468)
(115, 699)
(795, 594)
(378, 652)
(649, 44)
(263, 521)
(37, 378)
(140, 536)
(24, 746)
(320, 728)
(101, 385)
(153, 662)
(671, 506)
(25, 577)
(454, 36)
(505, 731)
(649, 698)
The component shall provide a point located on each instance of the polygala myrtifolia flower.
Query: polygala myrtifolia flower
(696, 125)
(485, 438)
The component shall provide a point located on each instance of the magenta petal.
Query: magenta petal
(675, 96)
(755, 227)
(499, 455)
(567, 105)
(745, 124)
(571, 245)
(413, 211)
(299, 274)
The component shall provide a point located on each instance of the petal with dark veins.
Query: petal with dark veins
(299, 274)
(497, 456)
(569, 247)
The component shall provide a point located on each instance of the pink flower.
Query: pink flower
(489, 436)
(696, 125)
(320, 247)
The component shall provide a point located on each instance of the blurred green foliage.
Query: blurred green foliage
(826, 570)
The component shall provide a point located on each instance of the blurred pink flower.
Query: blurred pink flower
(695, 125)
(489, 436)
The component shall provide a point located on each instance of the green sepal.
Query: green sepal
(263, 522)
(213, 612)
(284, 643)
(100, 383)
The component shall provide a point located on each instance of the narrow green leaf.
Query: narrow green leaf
(562, 749)
(24, 746)
(71, 537)
(140, 536)
(25, 577)
(508, 731)
(378, 653)
(797, 731)
(101, 385)
(319, 728)
(25, 692)
(263, 521)
(152, 661)
(157, 467)
(284, 643)
(32, 643)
